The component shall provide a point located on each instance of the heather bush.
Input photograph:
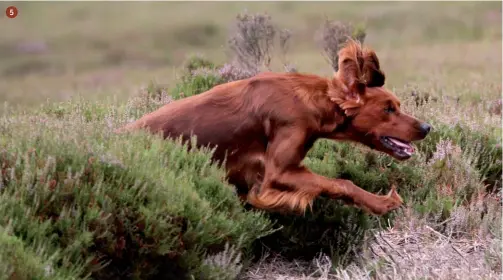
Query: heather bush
(252, 40)
(18, 261)
(197, 81)
(115, 207)
(230, 72)
(251, 46)
(482, 147)
(332, 35)
(197, 61)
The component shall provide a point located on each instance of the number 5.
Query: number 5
(11, 12)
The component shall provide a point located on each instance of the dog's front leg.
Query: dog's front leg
(303, 186)
(289, 185)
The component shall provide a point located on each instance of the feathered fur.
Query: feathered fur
(264, 126)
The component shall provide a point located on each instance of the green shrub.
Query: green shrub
(86, 110)
(17, 261)
(195, 82)
(197, 61)
(148, 100)
(119, 207)
(485, 148)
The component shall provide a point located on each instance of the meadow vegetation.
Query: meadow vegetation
(79, 201)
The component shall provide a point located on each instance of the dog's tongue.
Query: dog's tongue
(402, 144)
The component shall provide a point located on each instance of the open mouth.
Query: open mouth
(400, 148)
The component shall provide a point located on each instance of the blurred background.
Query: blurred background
(55, 50)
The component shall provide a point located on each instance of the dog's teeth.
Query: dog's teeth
(399, 143)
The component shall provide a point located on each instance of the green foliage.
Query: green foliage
(196, 62)
(195, 82)
(86, 110)
(360, 33)
(17, 261)
(484, 147)
(117, 207)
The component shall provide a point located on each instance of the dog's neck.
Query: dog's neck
(338, 93)
(343, 110)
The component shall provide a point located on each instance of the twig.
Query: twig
(448, 242)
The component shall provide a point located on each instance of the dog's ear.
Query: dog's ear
(372, 73)
(351, 63)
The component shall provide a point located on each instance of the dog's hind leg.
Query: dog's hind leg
(282, 200)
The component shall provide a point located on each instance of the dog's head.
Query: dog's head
(373, 115)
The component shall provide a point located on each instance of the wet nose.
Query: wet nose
(425, 128)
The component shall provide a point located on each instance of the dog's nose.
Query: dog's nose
(425, 128)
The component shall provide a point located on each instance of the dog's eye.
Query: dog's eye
(389, 110)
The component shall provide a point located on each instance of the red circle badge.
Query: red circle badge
(11, 12)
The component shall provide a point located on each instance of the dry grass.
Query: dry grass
(412, 249)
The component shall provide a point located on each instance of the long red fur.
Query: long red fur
(264, 126)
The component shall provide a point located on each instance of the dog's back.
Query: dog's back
(232, 116)
(241, 117)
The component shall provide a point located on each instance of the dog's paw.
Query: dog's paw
(388, 202)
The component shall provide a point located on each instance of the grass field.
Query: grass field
(106, 53)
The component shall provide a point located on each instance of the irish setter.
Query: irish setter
(264, 126)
